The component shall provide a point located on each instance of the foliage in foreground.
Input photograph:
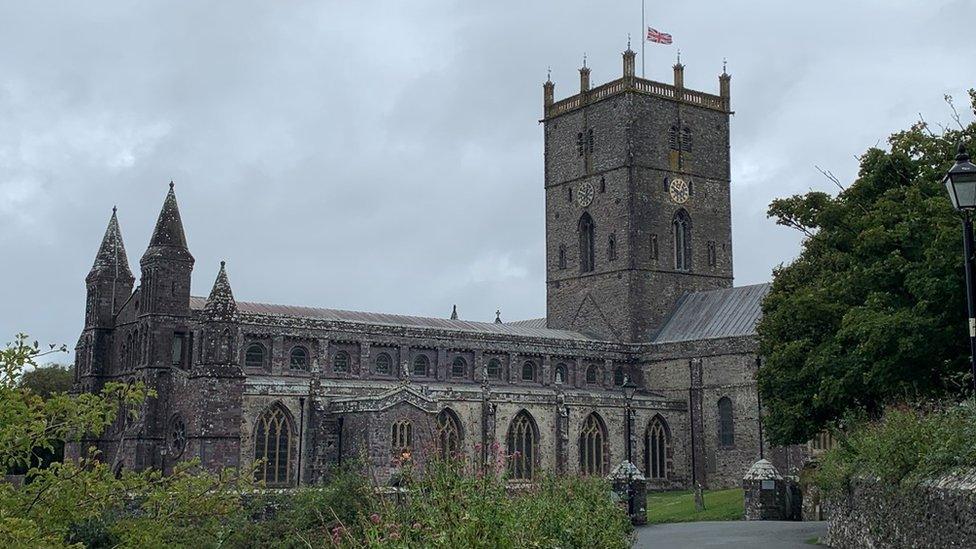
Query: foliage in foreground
(872, 312)
(905, 446)
(666, 507)
(85, 505)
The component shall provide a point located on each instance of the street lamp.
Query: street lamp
(960, 182)
(629, 389)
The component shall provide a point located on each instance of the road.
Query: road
(707, 535)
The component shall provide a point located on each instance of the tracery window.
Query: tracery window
(591, 374)
(298, 359)
(448, 434)
(682, 241)
(458, 367)
(523, 441)
(594, 455)
(673, 138)
(401, 438)
(686, 139)
(420, 365)
(340, 362)
(726, 431)
(528, 371)
(384, 363)
(586, 243)
(560, 376)
(177, 437)
(494, 369)
(273, 446)
(657, 444)
(254, 356)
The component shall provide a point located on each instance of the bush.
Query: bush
(907, 445)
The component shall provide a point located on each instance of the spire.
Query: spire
(498, 317)
(221, 304)
(111, 261)
(454, 315)
(168, 239)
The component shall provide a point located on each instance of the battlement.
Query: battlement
(629, 82)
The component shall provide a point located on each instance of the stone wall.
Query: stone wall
(937, 513)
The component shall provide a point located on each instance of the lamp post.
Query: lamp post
(960, 182)
(629, 388)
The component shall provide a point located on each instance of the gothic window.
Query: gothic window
(448, 434)
(179, 340)
(177, 437)
(458, 367)
(340, 362)
(589, 140)
(682, 241)
(420, 365)
(603, 184)
(586, 243)
(686, 139)
(619, 377)
(580, 143)
(273, 447)
(384, 364)
(560, 376)
(612, 247)
(673, 138)
(528, 371)
(654, 247)
(401, 438)
(494, 369)
(254, 356)
(657, 444)
(298, 359)
(726, 433)
(593, 451)
(562, 256)
(591, 374)
(523, 444)
(711, 253)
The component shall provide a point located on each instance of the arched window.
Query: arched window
(682, 241)
(494, 369)
(299, 359)
(458, 367)
(562, 256)
(340, 362)
(612, 247)
(726, 431)
(384, 363)
(420, 365)
(593, 451)
(586, 243)
(686, 139)
(657, 446)
(448, 434)
(528, 371)
(560, 376)
(592, 376)
(254, 356)
(673, 138)
(401, 439)
(619, 377)
(177, 437)
(523, 444)
(273, 445)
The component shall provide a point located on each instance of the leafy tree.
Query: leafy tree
(47, 379)
(873, 310)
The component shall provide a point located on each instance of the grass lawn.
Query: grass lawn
(680, 506)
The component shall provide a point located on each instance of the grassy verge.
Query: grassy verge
(665, 507)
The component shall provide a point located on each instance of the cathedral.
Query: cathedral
(647, 352)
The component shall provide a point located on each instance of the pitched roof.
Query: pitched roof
(731, 312)
(111, 259)
(168, 238)
(511, 329)
(530, 323)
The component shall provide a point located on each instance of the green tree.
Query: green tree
(873, 310)
(47, 379)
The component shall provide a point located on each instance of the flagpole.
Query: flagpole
(643, 39)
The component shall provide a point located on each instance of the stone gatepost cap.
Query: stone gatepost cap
(762, 470)
(626, 471)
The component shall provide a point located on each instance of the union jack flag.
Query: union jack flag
(653, 35)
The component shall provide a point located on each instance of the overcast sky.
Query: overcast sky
(387, 156)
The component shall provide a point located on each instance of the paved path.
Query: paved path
(707, 535)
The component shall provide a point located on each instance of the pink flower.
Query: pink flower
(374, 518)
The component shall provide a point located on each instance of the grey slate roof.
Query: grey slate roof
(511, 329)
(530, 323)
(732, 312)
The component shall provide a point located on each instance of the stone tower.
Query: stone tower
(637, 201)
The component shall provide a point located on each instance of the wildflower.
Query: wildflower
(374, 518)
(394, 536)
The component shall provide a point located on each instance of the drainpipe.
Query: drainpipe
(301, 437)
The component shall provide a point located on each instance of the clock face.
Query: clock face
(584, 197)
(678, 191)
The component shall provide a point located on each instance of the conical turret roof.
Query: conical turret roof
(221, 304)
(168, 239)
(111, 261)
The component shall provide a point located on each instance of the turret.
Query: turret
(109, 283)
(218, 330)
(584, 77)
(629, 57)
(679, 73)
(723, 87)
(167, 265)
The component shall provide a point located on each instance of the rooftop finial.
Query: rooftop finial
(725, 63)
(679, 56)
(171, 184)
(222, 263)
(114, 209)
(549, 74)
(498, 316)
(628, 40)
(584, 59)
(454, 315)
